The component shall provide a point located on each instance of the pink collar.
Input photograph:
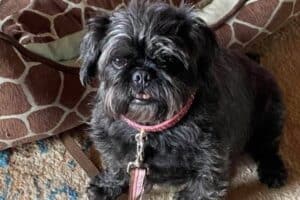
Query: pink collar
(164, 125)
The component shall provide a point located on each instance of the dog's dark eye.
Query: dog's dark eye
(119, 62)
(170, 64)
(166, 61)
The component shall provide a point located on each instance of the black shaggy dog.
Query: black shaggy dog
(151, 59)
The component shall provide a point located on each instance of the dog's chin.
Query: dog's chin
(145, 111)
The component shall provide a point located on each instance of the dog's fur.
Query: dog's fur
(237, 108)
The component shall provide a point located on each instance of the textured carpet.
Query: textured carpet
(45, 170)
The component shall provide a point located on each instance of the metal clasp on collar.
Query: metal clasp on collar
(139, 157)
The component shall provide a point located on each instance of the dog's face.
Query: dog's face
(150, 58)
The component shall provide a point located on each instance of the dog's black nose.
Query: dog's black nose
(141, 78)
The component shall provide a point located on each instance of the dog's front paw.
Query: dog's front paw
(103, 188)
(95, 193)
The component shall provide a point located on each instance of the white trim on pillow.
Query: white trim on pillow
(217, 10)
(62, 50)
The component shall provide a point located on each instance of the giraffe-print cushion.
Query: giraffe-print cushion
(45, 21)
(36, 100)
(40, 97)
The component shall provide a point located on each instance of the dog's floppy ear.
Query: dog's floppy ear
(204, 39)
(91, 47)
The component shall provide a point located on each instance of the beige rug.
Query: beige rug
(45, 170)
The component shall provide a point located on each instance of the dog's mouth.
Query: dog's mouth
(142, 98)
